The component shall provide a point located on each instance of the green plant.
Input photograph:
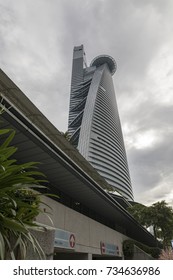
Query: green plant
(19, 202)
(66, 135)
(128, 249)
(159, 215)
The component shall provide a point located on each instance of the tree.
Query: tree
(162, 218)
(140, 213)
(159, 215)
(19, 202)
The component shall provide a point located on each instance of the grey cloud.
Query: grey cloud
(149, 115)
(151, 166)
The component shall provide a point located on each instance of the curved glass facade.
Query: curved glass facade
(94, 125)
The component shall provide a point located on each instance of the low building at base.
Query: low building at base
(88, 222)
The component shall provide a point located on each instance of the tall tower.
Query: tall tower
(94, 125)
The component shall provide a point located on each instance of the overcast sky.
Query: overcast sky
(36, 44)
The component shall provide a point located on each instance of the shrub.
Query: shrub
(19, 202)
(128, 249)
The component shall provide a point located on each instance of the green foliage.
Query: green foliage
(162, 218)
(140, 213)
(19, 202)
(159, 215)
(128, 249)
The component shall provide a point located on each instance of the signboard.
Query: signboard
(64, 239)
(109, 249)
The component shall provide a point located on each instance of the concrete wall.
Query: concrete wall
(89, 233)
(141, 255)
(46, 242)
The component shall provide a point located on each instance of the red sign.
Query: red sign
(102, 247)
(72, 240)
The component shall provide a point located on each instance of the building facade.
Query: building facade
(88, 223)
(94, 125)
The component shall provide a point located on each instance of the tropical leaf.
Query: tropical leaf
(4, 131)
(8, 140)
(13, 225)
(2, 247)
(19, 202)
(5, 153)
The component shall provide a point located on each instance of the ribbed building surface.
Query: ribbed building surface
(94, 125)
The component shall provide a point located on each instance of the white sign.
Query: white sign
(64, 239)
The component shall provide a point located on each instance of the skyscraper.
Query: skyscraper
(94, 125)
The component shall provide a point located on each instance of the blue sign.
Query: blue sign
(64, 239)
(109, 249)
